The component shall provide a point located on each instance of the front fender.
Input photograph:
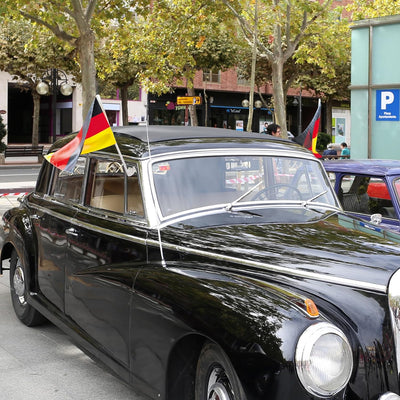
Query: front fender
(18, 234)
(256, 325)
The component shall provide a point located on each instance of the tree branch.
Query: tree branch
(249, 33)
(61, 34)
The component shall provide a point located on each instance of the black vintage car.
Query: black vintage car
(214, 265)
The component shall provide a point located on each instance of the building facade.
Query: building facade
(16, 108)
(375, 88)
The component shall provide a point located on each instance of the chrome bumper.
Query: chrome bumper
(389, 396)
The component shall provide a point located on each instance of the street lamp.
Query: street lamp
(52, 81)
(299, 116)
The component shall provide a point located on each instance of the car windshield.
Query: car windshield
(236, 181)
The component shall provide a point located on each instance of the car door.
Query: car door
(364, 195)
(106, 248)
(53, 207)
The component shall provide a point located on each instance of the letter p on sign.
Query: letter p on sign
(386, 98)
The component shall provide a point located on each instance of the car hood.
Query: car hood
(337, 248)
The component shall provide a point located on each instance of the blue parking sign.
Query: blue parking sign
(388, 105)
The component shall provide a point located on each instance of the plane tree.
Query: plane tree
(164, 47)
(77, 23)
(25, 53)
(324, 62)
(363, 9)
(282, 27)
(186, 37)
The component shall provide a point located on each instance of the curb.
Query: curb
(19, 165)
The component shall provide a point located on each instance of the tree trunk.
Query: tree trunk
(253, 72)
(192, 109)
(124, 101)
(88, 67)
(279, 96)
(35, 117)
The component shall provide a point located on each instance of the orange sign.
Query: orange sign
(188, 100)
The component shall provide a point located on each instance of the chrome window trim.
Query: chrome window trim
(86, 225)
(158, 218)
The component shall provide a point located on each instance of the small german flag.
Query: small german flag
(308, 138)
(96, 134)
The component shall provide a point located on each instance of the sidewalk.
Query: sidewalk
(8, 201)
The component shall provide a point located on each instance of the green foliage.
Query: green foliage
(324, 61)
(107, 90)
(363, 9)
(323, 139)
(3, 133)
(27, 51)
(281, 28)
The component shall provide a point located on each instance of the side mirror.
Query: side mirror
(376, 219)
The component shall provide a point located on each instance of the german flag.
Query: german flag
(308, 138)
(96, 134)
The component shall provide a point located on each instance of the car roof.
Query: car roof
(135, 140)
(367, 167)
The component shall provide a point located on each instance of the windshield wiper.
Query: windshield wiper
(229, 206)
(307, 202)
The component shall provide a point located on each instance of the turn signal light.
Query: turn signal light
(311, 308)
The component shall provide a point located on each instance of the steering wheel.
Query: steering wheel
(274, 192)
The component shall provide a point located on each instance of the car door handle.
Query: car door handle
(72, 232)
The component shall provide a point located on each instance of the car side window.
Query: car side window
(68, 186)
(134, 195)
(366, 195)
(107, 192)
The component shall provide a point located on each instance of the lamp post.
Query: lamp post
(299, 112)
(52, 81)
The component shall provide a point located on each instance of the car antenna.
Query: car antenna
(158, 227)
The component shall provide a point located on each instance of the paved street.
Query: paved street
(18, 177)
(42, 362)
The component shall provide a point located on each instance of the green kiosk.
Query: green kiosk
(375, 88)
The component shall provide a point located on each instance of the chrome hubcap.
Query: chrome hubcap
(219, 386)
(19, 284)
(218, 392)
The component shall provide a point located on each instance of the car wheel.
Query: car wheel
(215, 377)
(18, 287)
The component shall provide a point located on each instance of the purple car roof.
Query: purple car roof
(367, 167)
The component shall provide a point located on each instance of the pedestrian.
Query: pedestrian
(274, 130)
(265, 130)
(345, 150)
(329, 152)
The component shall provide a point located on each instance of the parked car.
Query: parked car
(216, 265)
(369, 189)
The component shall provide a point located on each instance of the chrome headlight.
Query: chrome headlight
(324, 359)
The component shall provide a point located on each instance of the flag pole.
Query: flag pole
(130, 171)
